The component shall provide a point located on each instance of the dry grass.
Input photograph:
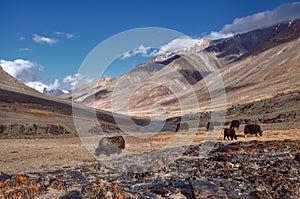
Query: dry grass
(42, 113)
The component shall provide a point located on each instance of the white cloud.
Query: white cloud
(141, 50)
(43, 40)
(67, 83)
(173, 46)
(22, 38)
(218, 35)
(53, 86)
(176, 45)
(22, 70)
(259, 20)
(67, 35)
(24, 49)
(77, 80)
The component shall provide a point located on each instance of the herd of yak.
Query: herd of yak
(115, 144)
(230, 133)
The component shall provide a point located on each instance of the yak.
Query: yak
(229, 133)
(252, 129)
(235, 123)
(110, 145)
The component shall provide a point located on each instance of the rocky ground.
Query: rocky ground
(61, 167)
(253, 169)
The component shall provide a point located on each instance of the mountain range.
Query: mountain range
(253, 66)
(254, 70)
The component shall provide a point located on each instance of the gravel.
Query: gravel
(255, 169)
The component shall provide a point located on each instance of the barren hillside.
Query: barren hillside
(26, 113)
(253, 66)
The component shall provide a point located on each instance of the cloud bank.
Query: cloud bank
(173, 46)
(66, 84)
(77, 80)
(23, 70)
(259, 20)
(28, 73)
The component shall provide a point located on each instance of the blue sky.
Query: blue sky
(54, 37)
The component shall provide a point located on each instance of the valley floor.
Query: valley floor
(72, 168)
(26, 155)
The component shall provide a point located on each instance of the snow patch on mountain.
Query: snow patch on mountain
(39, 86)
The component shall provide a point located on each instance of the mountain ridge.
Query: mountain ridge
(182, 69)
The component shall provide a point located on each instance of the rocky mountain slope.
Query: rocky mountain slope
(26, 113)
(253, 66)
(263, 72)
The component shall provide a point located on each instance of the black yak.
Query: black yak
(229, 133)
(235, 123)
(110, 145)
(252, 129)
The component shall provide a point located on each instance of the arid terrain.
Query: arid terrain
(28, 155)
(48, 144)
